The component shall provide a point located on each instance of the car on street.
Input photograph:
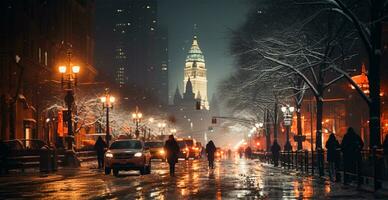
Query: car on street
(156, 149)
(127, 154)
(183, 149)
(200, 148)
(192, 148)
(219, 154)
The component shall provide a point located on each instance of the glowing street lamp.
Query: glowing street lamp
(287, 113)
(137, 117)
(69, 74)
(107, 103)
(162, 126)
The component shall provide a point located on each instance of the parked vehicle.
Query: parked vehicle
(156, 149)
(127, 155)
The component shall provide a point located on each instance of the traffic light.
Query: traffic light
(214, 120)
(198, 105)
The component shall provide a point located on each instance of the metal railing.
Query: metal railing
(371, 169)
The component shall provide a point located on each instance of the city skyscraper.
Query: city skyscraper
(137, 46)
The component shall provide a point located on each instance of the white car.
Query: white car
(127, 155)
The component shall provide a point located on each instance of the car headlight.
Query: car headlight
(162, 152)
(109, 155)
(138, 154)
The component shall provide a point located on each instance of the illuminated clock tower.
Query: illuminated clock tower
(195, 71)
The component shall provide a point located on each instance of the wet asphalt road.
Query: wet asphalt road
(231, 179)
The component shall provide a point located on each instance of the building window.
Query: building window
(40, 55)
(45, 58)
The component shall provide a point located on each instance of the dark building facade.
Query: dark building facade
(40, 33)
(137, 50)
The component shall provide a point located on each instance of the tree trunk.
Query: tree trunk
(275, 122)
(299, 126)
(318, 140)
(374, 73)
(267, 131)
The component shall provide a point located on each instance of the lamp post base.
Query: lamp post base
(71, 159)
(287, 146)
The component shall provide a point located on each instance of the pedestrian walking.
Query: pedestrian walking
(385, 149)
(275, 149)
(100, 147)
(351, 146)
(210, 150)
(332, 145)
(240, 151)
(172, 150)
(248, 152)
(229, 153)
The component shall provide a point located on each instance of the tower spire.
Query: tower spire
(177, 96)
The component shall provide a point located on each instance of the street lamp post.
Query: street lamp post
(287, 113)
(137, 116)
(69, 82)
(69, 74)
(161, 127)
(107, 103)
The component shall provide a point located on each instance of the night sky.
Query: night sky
(214, 19)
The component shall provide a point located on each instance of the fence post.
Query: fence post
(306, 161)
(312, 162)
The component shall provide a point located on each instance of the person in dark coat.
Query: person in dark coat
(210, 150)
(385, 149)
(100, 147)
(248, 152)
(332, 145)
(275, 149)
(351, 146)
(172, 150)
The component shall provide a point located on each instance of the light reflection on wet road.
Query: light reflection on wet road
(231, 179)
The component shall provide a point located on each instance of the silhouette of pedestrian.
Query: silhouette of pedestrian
(210, 150)
(100, 147)
(332, 145)
(240, 151)
(172, 149)
(248, 152)
(275, 149)
(385, 149)
(229, 153)
(351, 146)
